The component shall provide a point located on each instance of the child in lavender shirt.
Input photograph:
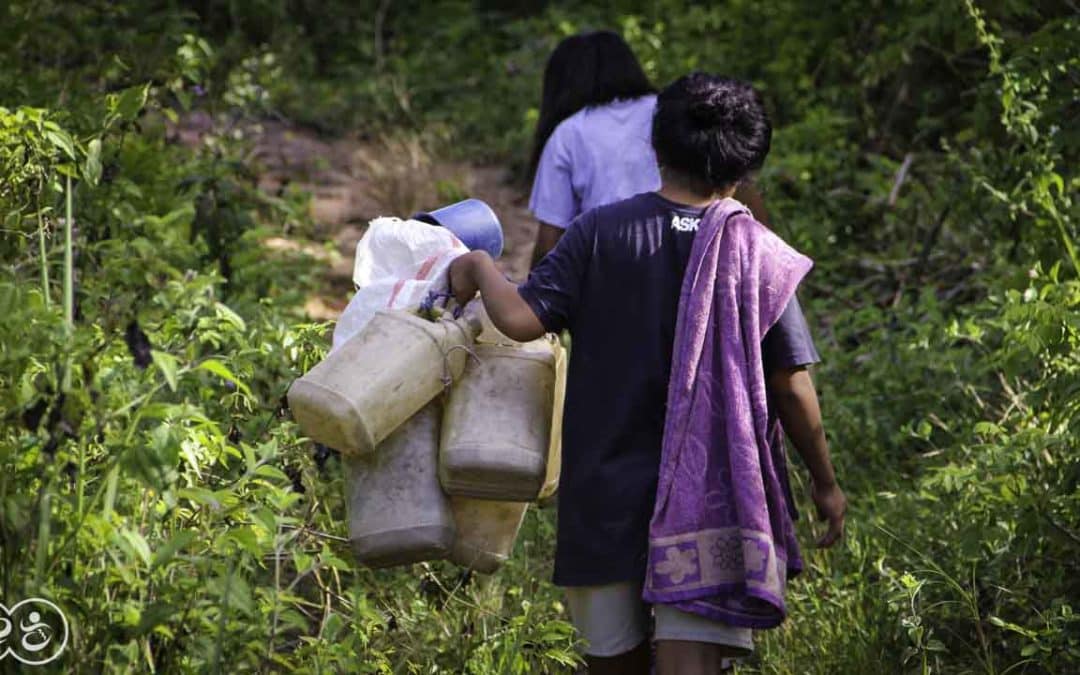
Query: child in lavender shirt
(597, 156)
(593, 143)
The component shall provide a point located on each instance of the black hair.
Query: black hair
(711, 129)
(586, 70)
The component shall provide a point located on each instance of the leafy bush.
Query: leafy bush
(152, 483)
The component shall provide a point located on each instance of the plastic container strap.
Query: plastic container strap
(447, 379)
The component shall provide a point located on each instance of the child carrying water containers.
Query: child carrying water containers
(689, 354)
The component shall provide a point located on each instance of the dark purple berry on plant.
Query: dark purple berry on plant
(55, 412)
(31, 417)
(138, 344)
(429, 588)
(321, 454)
(295, 476)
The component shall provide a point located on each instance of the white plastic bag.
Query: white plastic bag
(398, 263)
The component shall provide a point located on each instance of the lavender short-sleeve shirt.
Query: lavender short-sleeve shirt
(597, 156)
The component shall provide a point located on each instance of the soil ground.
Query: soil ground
(351, 181)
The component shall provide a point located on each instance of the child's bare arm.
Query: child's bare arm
(797, 408)
(546, 238)
(476, 271)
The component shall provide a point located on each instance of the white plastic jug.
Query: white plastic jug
(398, 513)
(486, 531)
(379, 378)
(497, 425)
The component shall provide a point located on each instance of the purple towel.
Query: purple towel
(722, 541)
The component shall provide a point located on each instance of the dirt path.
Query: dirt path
(352, 181)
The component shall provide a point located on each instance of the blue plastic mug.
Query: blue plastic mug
(472, 221)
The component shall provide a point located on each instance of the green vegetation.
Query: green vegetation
(152, 485)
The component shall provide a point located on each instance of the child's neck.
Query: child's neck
(681, 193)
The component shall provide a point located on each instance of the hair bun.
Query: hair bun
(713, 108)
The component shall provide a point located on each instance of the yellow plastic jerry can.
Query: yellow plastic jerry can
(486, 531)
(365, 390)
(496, 434)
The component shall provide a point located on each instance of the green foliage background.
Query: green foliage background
(152, 484)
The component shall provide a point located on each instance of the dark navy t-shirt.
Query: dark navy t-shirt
(614, 282)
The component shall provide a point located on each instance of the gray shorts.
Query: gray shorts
(613, 619)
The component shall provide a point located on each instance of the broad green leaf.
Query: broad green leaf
(1010, 626)
(130, 102)
(184, 98)
(166, 552)
(200, 496)
(138, 544)
(92, 166)
(62, 141)
(159, 410)
(266, 518)
(166, 363)
(330, 560)
(987, 428)
(250, 460)
(111, 482)
(270, 471)
(268, 450)
(187, 449)
(331, 628)
(226, 313)
(302, 561)
(246, 539)
(240, 594)
(221, 370)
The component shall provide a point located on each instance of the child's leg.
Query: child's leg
(637, 661)
(614, 622)
(687, 644)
